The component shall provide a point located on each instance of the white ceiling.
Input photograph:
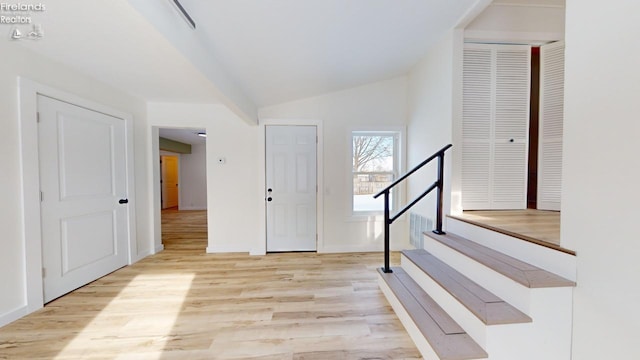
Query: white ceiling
(275, 50)
(281, 50)
(110, 41)
(187, 136)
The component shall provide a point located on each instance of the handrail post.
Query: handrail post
(439, 204)
(387, 221)
(439, 184)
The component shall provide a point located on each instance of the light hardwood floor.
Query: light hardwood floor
(185, 304)
(537, 226)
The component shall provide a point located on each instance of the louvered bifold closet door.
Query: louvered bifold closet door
(551, 119)
(511, 130)
(477, 112)
(496, 88)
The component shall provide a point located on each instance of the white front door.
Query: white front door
(291, 188)
(84, 196)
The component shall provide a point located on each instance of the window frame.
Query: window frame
(398, 134)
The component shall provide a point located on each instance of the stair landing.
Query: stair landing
(536, 226)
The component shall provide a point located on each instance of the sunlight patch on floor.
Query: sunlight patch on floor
(150, 328)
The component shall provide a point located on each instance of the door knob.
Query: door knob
(269, 198)
(510, 140)
(269, 190)
(123, 201)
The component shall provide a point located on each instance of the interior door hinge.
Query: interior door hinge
(44, 272)
(37, 117)
(41, 196)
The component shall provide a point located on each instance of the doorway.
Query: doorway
(169, 175)
(291, 188)
(182, 178)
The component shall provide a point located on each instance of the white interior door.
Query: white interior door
(169, 168)
(551, 122)
(495, 126)
(83, 182)
(291, 188)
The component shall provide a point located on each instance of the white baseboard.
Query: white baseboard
(349, 249)
(258, 251)
(215, 249)
(158, 249)
(354, 248)
(142, 255)
(13, 315)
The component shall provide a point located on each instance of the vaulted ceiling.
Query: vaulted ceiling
(244, 53)
(280, 50)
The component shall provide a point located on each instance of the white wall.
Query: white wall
(191, 43)
(193, 179)
(17, 61)
(233, 196)
(600, 191)
(374, 105)
(518, 23)
(430, 119)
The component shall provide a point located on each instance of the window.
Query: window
(375, 166)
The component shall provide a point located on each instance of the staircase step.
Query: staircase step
(521, 272)
(486, 306)
(447, 339)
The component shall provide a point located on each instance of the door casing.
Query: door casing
(285, 195)
(261, 246)
(28, 93)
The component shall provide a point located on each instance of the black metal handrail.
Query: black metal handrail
(388, 220)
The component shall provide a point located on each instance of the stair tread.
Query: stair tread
(446, 337)
(517, 270)
(487, 307)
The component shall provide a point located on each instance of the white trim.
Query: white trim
(511, 37)
(28, 91)
(471, 14)
(402, 156)
(227, 248)
(13, 315)
(261, 246)
(154, 182)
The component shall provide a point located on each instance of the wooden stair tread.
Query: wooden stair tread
(489, 308)
(446, 337)
(515, 234)
(517, 270)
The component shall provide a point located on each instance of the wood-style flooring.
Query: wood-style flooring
(537, 226)
(185, 304)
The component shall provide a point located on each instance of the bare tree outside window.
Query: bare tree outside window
(370, 150)
(373, 168)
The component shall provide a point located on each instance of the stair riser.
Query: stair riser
(551, 260)
(550, 308)
(548, 337)
(421, 343)
(463, 316)
(510, 291)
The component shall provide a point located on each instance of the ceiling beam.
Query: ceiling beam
(166, 19)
